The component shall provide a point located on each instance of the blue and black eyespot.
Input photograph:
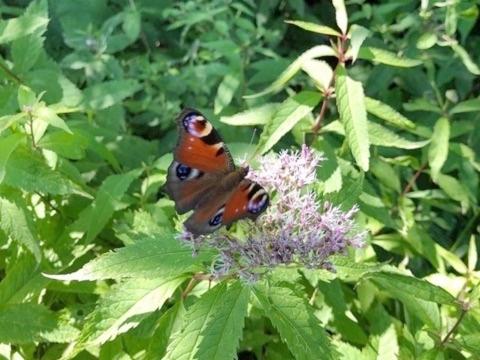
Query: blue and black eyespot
(259, 203)
(217, 219)
(183, 171)
(188, 119)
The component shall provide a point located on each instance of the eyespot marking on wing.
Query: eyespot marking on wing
(216, 220)
(258, 200)
(197, 125)
(185, 172)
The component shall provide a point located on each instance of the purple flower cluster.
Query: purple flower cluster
(296, 228)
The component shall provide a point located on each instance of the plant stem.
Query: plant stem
(454, 327)
(10, 74)
(413, 179)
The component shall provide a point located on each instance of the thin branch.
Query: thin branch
(413, 179)
(10, 74)
(455, 326)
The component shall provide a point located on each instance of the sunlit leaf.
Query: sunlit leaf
(438, 149)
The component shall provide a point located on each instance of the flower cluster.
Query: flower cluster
(295, 228)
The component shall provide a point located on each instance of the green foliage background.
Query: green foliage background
(388, 91)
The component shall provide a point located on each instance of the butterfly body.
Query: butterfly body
(203, 178)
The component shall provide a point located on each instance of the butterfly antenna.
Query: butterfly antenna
(255, 153)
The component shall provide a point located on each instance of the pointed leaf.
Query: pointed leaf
(150, 256)
(466, 59)
(7, 145)
(341, 15)
(351, 107)
(319, 71)
(256, 116)
(293, 68)
(471, 105)
(16, 222)
(108, 93)
(225, 92)
(357, 34)
(386, 57)
(438, 149)
(295, 321)
(213, 325)
(290, 112)
(320, 29)
(387, 113)
(382, 136)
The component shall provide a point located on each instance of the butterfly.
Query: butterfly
(204, 178)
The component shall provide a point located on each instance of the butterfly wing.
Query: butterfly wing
(200, 146)
(200, 159)
(247, 200)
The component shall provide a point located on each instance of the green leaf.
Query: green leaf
(16, 222)
(320, 29)
(26, 51)
(438, 149)
(295, 321)
(27, 171)
(7, 146)
(118, 310)
(387, 113)
(386, 57)
(471, 105)
(159, 256)
(472, 254)
(351, 107)
(225, 92)
(35, 19)
(48, 115)
(357, 34)
(70, 146)
(426, 40)
(21, 281)
(259, 115)
(466, 59)
(341, 15)
(289, 113)
(320, 72)
(29, 323)
(453, 188)
(94, 218)
(26, 97)
(412, 286)
(381, 136)
(108, 93)
(293, 68)
(213, 325)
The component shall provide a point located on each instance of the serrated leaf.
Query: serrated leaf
(387, 113)
(25, 97)
(7, 146)
(256, 116)
(295, 321)
(28, 171)
(115, 312)
(357, 35)
(17, 223)
(108, 93)
(29, 323)
(471, 105)
(293, 68)
(35, 19)
(319, 71)
(157, 255)
(386, 57)
(26, 51)
(94, 218)
(351, 107)
(382, 136)
(289, 113)
(341, 15)
(438, 149)
(412, 286)
(213, 325)
(320, 29)
(225, 92)
(21, 280)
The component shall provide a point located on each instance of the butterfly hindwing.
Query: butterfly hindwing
(247, 200)
(200, 146)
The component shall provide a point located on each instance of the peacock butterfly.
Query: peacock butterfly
(203, 178)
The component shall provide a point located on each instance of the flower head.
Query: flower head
(296, 227)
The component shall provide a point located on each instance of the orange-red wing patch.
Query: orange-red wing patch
(248, 200)
(194, 152)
